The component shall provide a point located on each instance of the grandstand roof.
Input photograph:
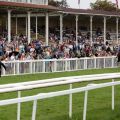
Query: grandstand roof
(26, 6)
(40, 8)
(90, 12)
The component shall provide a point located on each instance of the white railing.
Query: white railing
(58, 65)
(57, 81)
(37, 2)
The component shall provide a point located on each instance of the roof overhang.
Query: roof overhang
(27, 7)
(91, 12)
(24, 7)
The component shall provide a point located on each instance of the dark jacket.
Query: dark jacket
(2, 65)
(118, 56)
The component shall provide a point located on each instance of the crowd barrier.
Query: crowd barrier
(58, 65)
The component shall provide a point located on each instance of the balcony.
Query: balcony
(38, 2)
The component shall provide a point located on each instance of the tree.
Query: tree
(104, 5)
(53, 3)
(61, 3)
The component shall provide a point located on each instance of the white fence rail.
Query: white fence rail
(57, 81)
(58, 65)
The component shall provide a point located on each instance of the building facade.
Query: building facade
(18, 16)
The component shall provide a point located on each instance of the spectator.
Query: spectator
(2, 65)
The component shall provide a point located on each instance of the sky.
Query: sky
(84, 4)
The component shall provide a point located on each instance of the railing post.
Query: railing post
(104, 62)
(70, 103)
(34, 110)
(76, 64)
(69, 69)
(112, 62)
(65, 65)
(113, 96)
(94, 63)
(43, 67)
(99, 63)
(37, 65)
(14, 67)
(55, 65)
(18, 106)
(31, 67)
(85, 105)
(85, 63)
(18, 67)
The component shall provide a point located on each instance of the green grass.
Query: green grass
(99, 101)
(31, 77)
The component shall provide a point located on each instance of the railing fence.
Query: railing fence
(58, 81)
(58, 65)
(69, 92)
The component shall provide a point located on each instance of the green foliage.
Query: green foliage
(62, 3)
(32, 77)
(104, 5)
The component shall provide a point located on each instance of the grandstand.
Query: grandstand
(39, 41)
(33, 30)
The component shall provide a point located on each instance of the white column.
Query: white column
(61, 28)
(9, 25)
(47, 28)
(104, 30)
(76, 30)
(91, 29)
(29, 27)
(16, 25)
(28, 1)
(46, 2)
(36, 27)
(26, 26)
(117, 23)
(6, 24)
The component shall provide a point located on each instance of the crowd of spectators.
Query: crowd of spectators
(19, 49)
